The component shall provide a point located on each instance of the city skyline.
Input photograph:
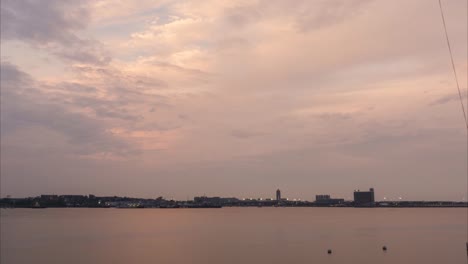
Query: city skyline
(361, 199)
(278, 196)
(183, 98)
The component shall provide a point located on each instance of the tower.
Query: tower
(278, 195)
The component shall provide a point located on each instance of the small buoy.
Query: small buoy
(384, 248)
(329, 251)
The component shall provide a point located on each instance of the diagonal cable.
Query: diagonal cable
(453, 64)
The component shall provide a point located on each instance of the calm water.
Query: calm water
(233, 235)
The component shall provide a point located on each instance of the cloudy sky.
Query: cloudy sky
(232, 98)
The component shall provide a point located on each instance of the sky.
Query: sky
(233, 98)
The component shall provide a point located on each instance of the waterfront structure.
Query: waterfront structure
(49, 197)
(364, 198)
(221, 201)
(325, 199)
(322, 197)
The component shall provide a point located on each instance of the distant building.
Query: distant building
(49, 197)
(325, 199)
(278, 195)
(322, 197)
(364, 198)
(207, 200)
(73, 197)
(74, 200)
(215, 200)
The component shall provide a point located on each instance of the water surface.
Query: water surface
(233, 235)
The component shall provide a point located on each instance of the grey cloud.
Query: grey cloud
(84, 96)
(25, 111)
(101, 107)
(244, 134)
(122, 114)
(11, 76)
(242, 15)
(123, 92)
(157, 126)
(232, 43)
(120, 81)
(111, 114)
(77, 87)
(42, 22)
(193, 72)
(150, 82)
(52, 25)
(448, 98)
(84, 51)
(308, 15)
(410, 150)
(335, 116)
(325, 13)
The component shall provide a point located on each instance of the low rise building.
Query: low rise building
(325, 199)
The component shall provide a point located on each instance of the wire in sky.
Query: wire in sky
(453, 64)
(461, 98)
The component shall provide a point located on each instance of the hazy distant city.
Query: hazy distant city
(227, 132)
(361, 199)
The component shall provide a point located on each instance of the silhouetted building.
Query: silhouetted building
(203, 200)
(322, 197)
(207, 200)
(278, 195)
(364, 198)
(73, 197)
(325, 199)
(49, 197)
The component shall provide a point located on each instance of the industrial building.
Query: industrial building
(325, 199)
(364, 198)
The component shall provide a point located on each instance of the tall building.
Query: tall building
(278, 195)
(364, 198)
